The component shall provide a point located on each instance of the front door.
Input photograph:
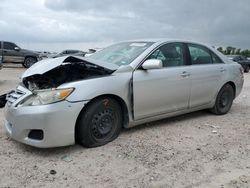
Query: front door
(161, 91)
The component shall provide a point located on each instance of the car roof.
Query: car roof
(166, 40)
(6, 41)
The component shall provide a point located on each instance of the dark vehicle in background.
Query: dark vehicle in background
(92, 51)
(70, 52)
(244, 61)
(1, 62)
(12, 53)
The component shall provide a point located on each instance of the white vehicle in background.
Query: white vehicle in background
(46, 54)
(70, 52)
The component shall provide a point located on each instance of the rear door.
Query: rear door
(161, 91)
(207, 73)
(10, 54)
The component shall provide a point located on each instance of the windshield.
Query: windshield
(121, 53)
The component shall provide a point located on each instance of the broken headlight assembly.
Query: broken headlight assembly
(43, 97)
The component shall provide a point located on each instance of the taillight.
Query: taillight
(241, 70)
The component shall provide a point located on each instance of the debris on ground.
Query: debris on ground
(215, 127)
(66, 158)
(214, 131)
(52, 172)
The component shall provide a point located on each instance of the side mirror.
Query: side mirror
(152, 64)
(17, 48)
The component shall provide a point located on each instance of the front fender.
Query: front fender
(115, 84)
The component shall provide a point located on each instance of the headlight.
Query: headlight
(46, 97)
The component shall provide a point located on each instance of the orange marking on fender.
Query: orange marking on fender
(105, 102)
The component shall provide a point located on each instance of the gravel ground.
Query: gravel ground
(194, 150)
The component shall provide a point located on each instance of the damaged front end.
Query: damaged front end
(43, 78)
(71, 69)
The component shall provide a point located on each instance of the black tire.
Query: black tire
(29, 61)
(246, 69)
(2, 103)
(99, 123)
(3, 100)
(224, 100)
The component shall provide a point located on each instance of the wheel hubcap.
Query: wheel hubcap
(29, 62)
(224, 99)
(102, 124)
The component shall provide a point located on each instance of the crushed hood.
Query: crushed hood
(46, 65)
(51, 73)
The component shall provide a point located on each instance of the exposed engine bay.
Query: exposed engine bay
(72, 69)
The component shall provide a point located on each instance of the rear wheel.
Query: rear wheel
(29, 61)
(99, 123)
(224, 100)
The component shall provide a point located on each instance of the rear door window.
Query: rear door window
(199, 54)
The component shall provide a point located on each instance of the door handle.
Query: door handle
(5, 51)
(222, 69)
(185, 74)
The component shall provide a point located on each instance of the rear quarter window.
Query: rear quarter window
(215, 58)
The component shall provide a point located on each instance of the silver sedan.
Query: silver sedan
(89, 100)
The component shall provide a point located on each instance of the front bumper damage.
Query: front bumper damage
(50, 125)
(43, 126)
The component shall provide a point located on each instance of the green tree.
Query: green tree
(228, 50)
(238, 51)
(246, 53)
(233, 51)
(220, 49)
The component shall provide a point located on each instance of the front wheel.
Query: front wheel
(224, 100)
(29, 61)
(99, 123)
